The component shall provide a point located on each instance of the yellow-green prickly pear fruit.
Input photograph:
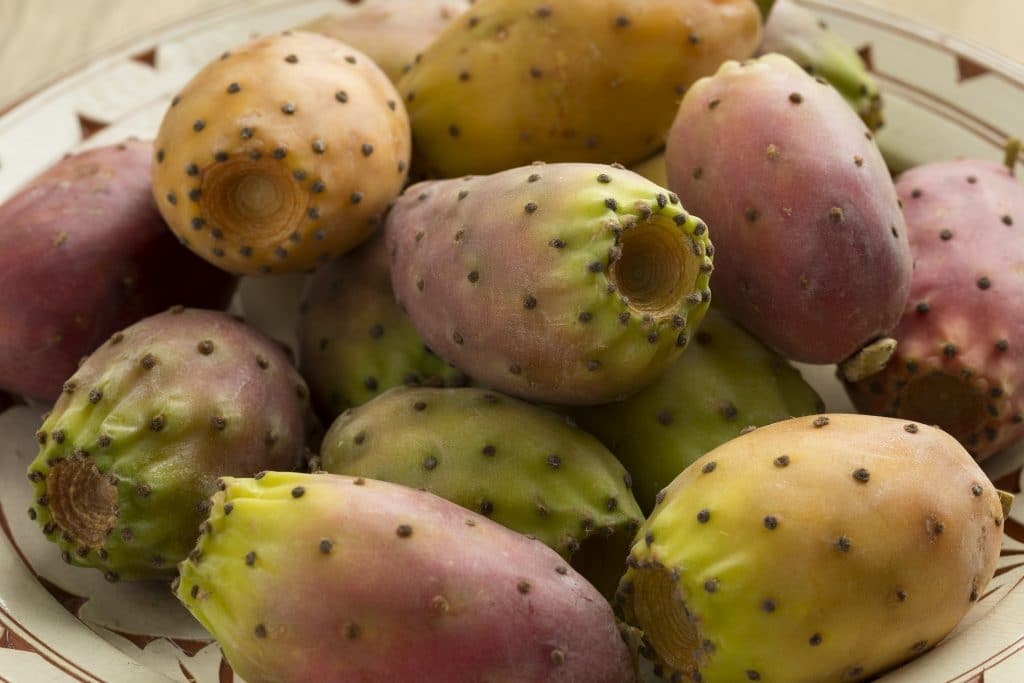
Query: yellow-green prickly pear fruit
(516, 81)
(725, 382)
(281, 155)
(813, 550)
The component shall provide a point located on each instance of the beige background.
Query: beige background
(41, 38)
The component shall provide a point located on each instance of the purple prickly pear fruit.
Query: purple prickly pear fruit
(813, 252)
(134, 446)
(960, 359)
(391, 32)
(514, 81)
(281, 155)
(560, 283)
(725, 383)
(522, 466)
(354, 340)
(83, 253)
(794, 31)
(334, 579)
(854, 543)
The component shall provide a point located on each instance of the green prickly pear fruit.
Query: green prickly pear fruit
(134, 446)
(522, 466)
(281, 155)
(726, 382)
(560, 283)
(514, 81)
(355, 341)
(334, 579)
(390, 32)
(854, 543)
(794, 31)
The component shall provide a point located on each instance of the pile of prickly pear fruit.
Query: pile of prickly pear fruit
(543, 421)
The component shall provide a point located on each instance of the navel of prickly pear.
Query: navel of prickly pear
(854, 544)
(960, 359)
(513, 81)
(813, 252)
(565, 283)
(320, 577)
(794, 31)
(725, 383)
(355, 341)
(133, 448)
(520, 465)
(84, 253)
(281, 155)
(390, 32)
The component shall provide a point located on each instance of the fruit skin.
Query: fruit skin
(281, 155)
(726, 382)
(390, 32)
(87, 228)
(524, 467)
(355, 342)
(794, 31)
(322, 577)
(653, 168)
(960, 359)
(134, 446)
(514, 81)
(560, 283)
(855, 543)
(814, 259)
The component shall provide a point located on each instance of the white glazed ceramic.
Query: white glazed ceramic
(57, 623)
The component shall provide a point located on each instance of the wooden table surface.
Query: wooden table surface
(42, 38)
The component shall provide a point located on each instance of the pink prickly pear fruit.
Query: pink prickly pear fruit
(84, 253)
(560, 283)
(390, 32)
(813, 252)
(960, 359)
(330, 578)
(515, 81)
(281, 155)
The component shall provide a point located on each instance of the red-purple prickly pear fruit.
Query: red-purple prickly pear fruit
(390, 32)
(281, 155)
(515, 81)
(560, 283)
(133, 448)
(960, 359)
(84, 253)
(355, 342)
(336, 579)
(813, 253)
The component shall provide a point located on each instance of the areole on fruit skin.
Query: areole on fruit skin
(564, 283)
(133, 447)
(807, 591)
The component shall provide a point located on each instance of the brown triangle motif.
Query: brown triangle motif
(980, 678)
(967, 69)
(226, 674)
(1009, 482)
(9, 640)
(90, 126)
(867, 55)
(148, 57)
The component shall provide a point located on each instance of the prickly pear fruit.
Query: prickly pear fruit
(960, 359)
(322, 577)
(814, 258)
(513, 81)
(390, 32)
(726, 382)
(354, 340)
(794, 31)
(564, 283)
(518, 464)
(854, 544)
(653, 168)
(87, 229)
(281, 155)
(133, 448)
